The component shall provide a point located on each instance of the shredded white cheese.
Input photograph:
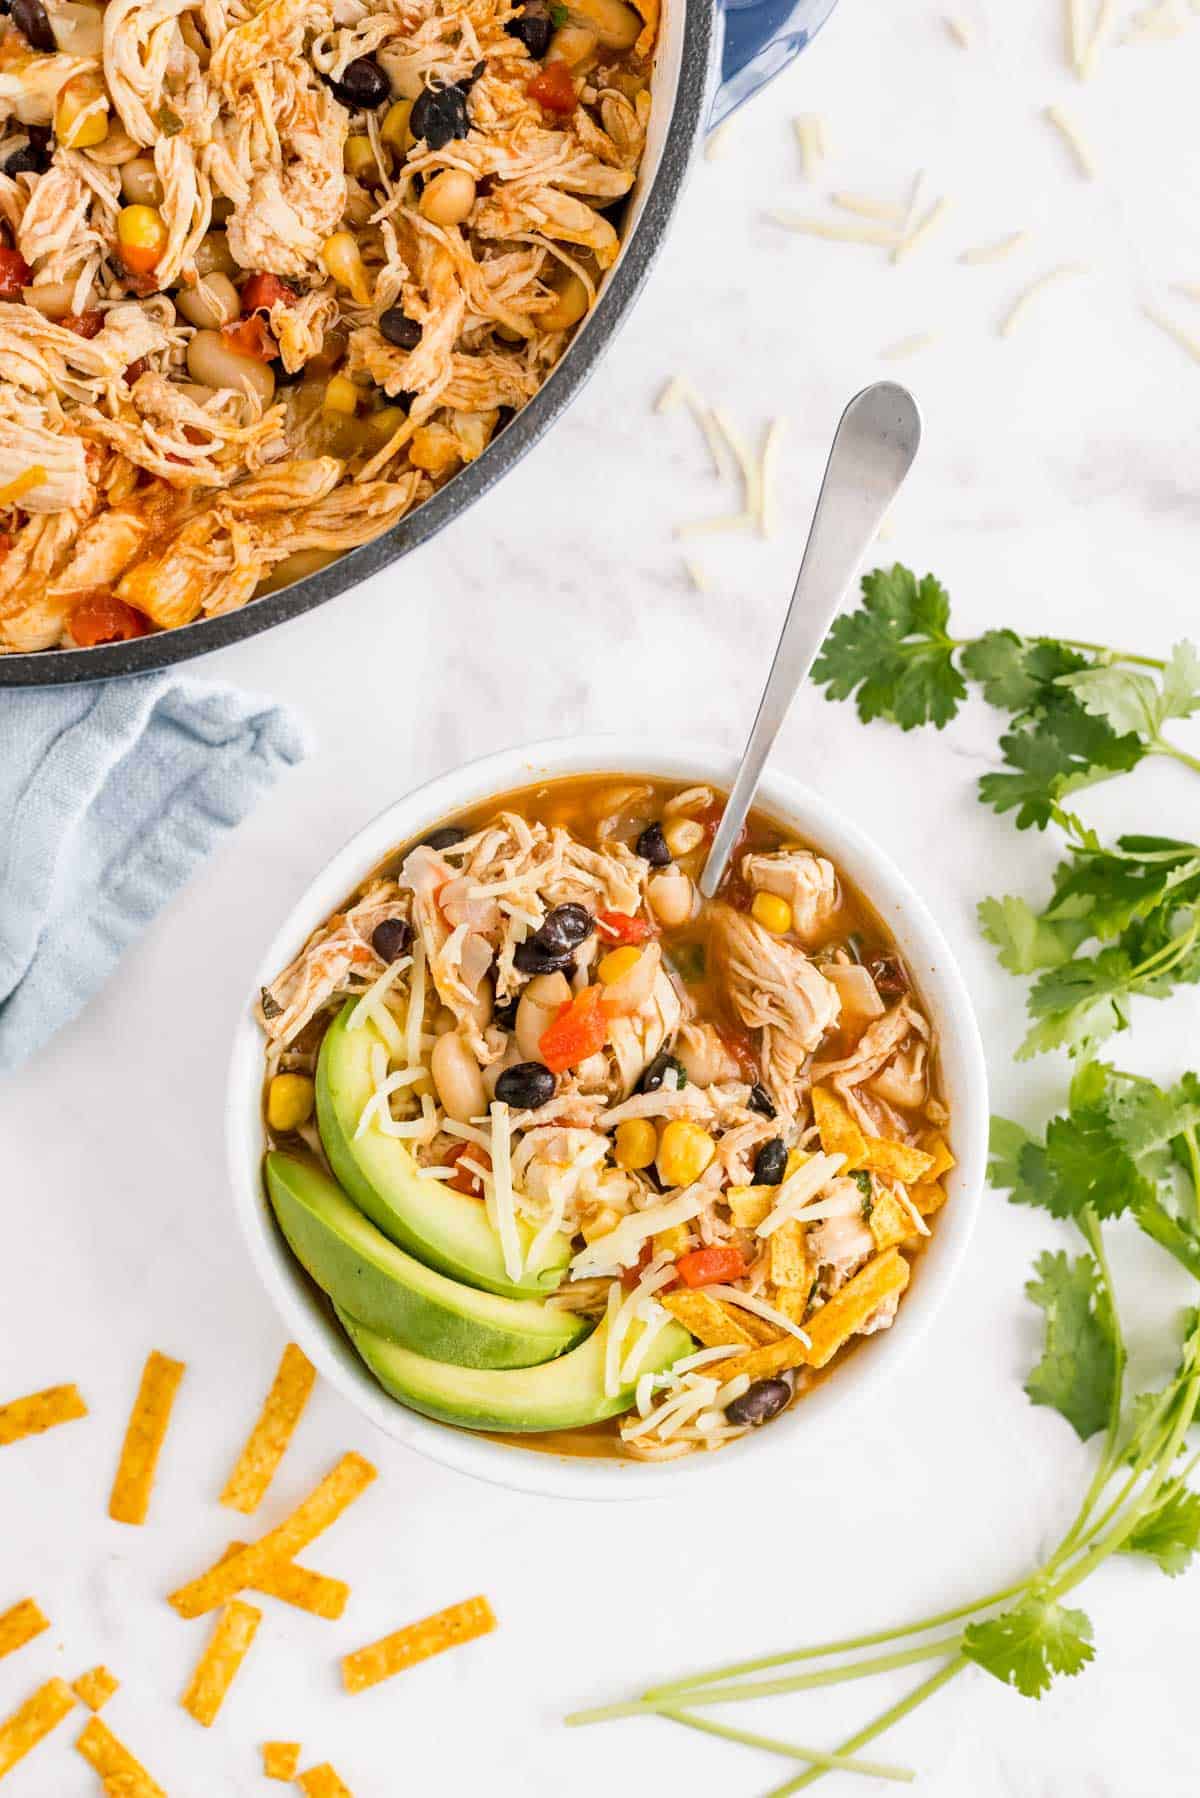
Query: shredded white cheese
(802, 1186)
(372, 1009)
(867, 208)
(414, 1022)
(1105, 20)
(919, 232)
(908, 346)
(1186, 340)
(621, 1246)
(1020, 306)
(1071, 136)
(766, 477)
(836, 233)
(1074, 27)
(696, 575)
(708, 527)
(914, 1216)
(995, 252)
(810, 135)
(959, 30)
(500, 1193)
(659, 1272)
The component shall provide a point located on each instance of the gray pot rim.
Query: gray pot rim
(61, 667)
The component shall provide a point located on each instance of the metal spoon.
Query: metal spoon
(873, 449)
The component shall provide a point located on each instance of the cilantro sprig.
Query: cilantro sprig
(1078, 712)
(1122, 923)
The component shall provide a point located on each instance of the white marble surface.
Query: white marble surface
(1057, 488)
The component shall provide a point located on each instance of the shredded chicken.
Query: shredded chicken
(807, 881)
(776, 989)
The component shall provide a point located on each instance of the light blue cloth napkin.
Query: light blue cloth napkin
(110, 795)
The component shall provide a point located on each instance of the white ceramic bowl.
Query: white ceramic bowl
(796, 1431)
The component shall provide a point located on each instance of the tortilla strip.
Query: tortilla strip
(32, 1722)
(280, 1760)
(40, 1411)
(302, 1587)
(268, 1441)
(839, 1133)
(323, 1782)
(710, 1323)
(144, 1436)
(896, 1160)
(418, 1642)
(217, 1667)
(122, 1773)
(21, 1624)
(324, 1504)
(95, 1688)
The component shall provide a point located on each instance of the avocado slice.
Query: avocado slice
(560, 1395)
(399, 1297)
(448, 1230)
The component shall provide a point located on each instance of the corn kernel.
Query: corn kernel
(358, 159)
(384, 424)
(617, 963)
(341, 395)
(289, 1101)
(772, 912)
(684, 1151)
(795, 1161)
(395, 130)
(683, 835)
(81, 113)
(636, 1143)
(142, 237)
(342, 260)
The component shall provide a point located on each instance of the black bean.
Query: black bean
(529, 959)
(532, 27)
(391, 938)
(445, 838)
(563, 929)
(888, 975)
(526, 1086)
(652, 847)
(764, 1400)
(505, 1011)
(439, 114)
(32, 21)
(770, 1164)
(657, 1071)
(760, 1100)
(362, 85)
(28, 160)
(399, 329)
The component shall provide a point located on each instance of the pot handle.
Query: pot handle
(761, 37)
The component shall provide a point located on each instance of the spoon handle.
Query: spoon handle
(873, 449)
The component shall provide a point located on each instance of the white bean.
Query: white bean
(140, 183)
(615, 24)
(213, 301)
(671, 898)
(458, 1078)
(212, 363)
(52, 299)
(539, 1003)
(570, 304)
(448, 198)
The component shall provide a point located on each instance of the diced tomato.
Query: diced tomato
(708, 1267)
(6, 543)
(630, 1275)
(711, 817)
(262, 291)
(15, 273)
(620, 927)
(464, 1179)
(740, 1044)
(579, 1030)
(103, 618)
(250, 337)
(552, 87)
(135, 369)
(84, 324)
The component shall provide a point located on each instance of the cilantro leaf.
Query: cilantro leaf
(1080, 1004)
(1017, 675)
(1110, 888)
(1063, 749)
(893, 653)
(1025, 941)
(1006, 1141)
(1029, 1646)
(1181, 682)
(1170, 1533)
(1078, 1370)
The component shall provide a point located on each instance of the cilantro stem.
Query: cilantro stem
(878, 1725)
(1169, 1234)
(1104, 650)
(1106, 1465)
(829, 1762)
(735, 1670)
(1193, 1155)
(1160, 746)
